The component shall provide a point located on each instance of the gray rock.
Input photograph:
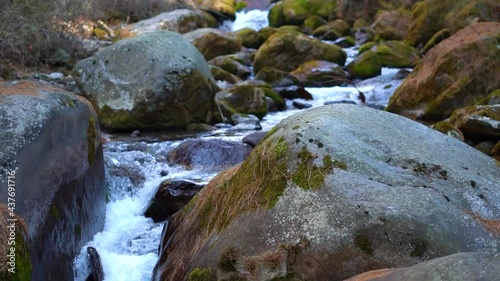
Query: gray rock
(208, 154)
(342, 189)
(254, 138)
(155, 80)
(51, 140)
(456, 267)
(180, 21)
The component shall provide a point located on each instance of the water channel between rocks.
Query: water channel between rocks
(129, 242)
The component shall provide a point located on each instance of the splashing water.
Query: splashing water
(254, 19)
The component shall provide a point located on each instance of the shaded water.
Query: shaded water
(129, 242)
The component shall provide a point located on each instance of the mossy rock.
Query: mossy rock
(478, 123)
(341, 26)
(232, 66)
(276, 77)
(449, 129)
(495, 152)
(287, 50)
(202, 274)
(319, 73)
(212, 42)
(491, 99)
(296, 11)
(249, 37)
(243, 99)
(313, 22)
(392, 25)
(436, 39)
(291, 28)
(365, 47)
(458, 72)
(326, 32)
(396, 54)
(430, 16)
(223, 9)
(220, 74)
(276, 17)
(365, 65)
(345, 42)
(265, 33)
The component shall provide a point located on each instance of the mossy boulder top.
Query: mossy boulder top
(155, 80)
(457, 72)
(212, 42)
(296, 11)
(335, 191)
(224, 9)
(286, 50)
(392, 25)
(180, 21)
(352, 10)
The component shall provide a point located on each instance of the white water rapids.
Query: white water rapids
(129, 242)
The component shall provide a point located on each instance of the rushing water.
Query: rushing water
(129, 242)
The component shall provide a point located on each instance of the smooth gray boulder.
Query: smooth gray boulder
(456, 267)
(156, 80)
(51, 144)
(180, 21)
(335, 191)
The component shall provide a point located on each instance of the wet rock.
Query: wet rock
(345, 42)
(351, 188)
(222, 9)
(299, 49)
(208, 154)
(200, 127)
(485, 147)
(51, 144)
(491, 99)
(392, 25)
(169, 86)
(327, 32)
(180, 21)
(212, 42)
(254, 138)
(170, 197)
(220, 74)
(245, 122)
(457, 72)
(276, 77)
(402, 74)
(396, 54)
(300, 105)
(319, 73)
(478, 123)
(461, 266)
(265, 33)
(352, 10)
(293, 92)
(232, 66)
(313, 22)
(249, 37)
(365, 65)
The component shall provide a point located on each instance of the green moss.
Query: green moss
(276, 17)
(228, 259)
(239, 6)
(54, 212)
(67, 101)
(202, 274)
(365, 47)
(91, 140)
(419, 247)
(23, 264)
(436, 39)
(280, 102)
(364, 244)
(309, 176)
(366, 65)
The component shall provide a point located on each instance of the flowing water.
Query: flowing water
(129, 242)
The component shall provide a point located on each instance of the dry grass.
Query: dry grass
(21, 227)
(491, 225)
(271, 261)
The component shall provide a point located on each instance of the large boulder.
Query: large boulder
(478, 123)
(212, 42)
(335, 191)
(180, 21)
(460, 267)
(296, 12)
(352, 10)
(50, 146)
(457, 72)
(319, 73)
(430, 16)
(209, 154)
(243, 98)
(287, 50)
(156, 80)
(392, 25)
